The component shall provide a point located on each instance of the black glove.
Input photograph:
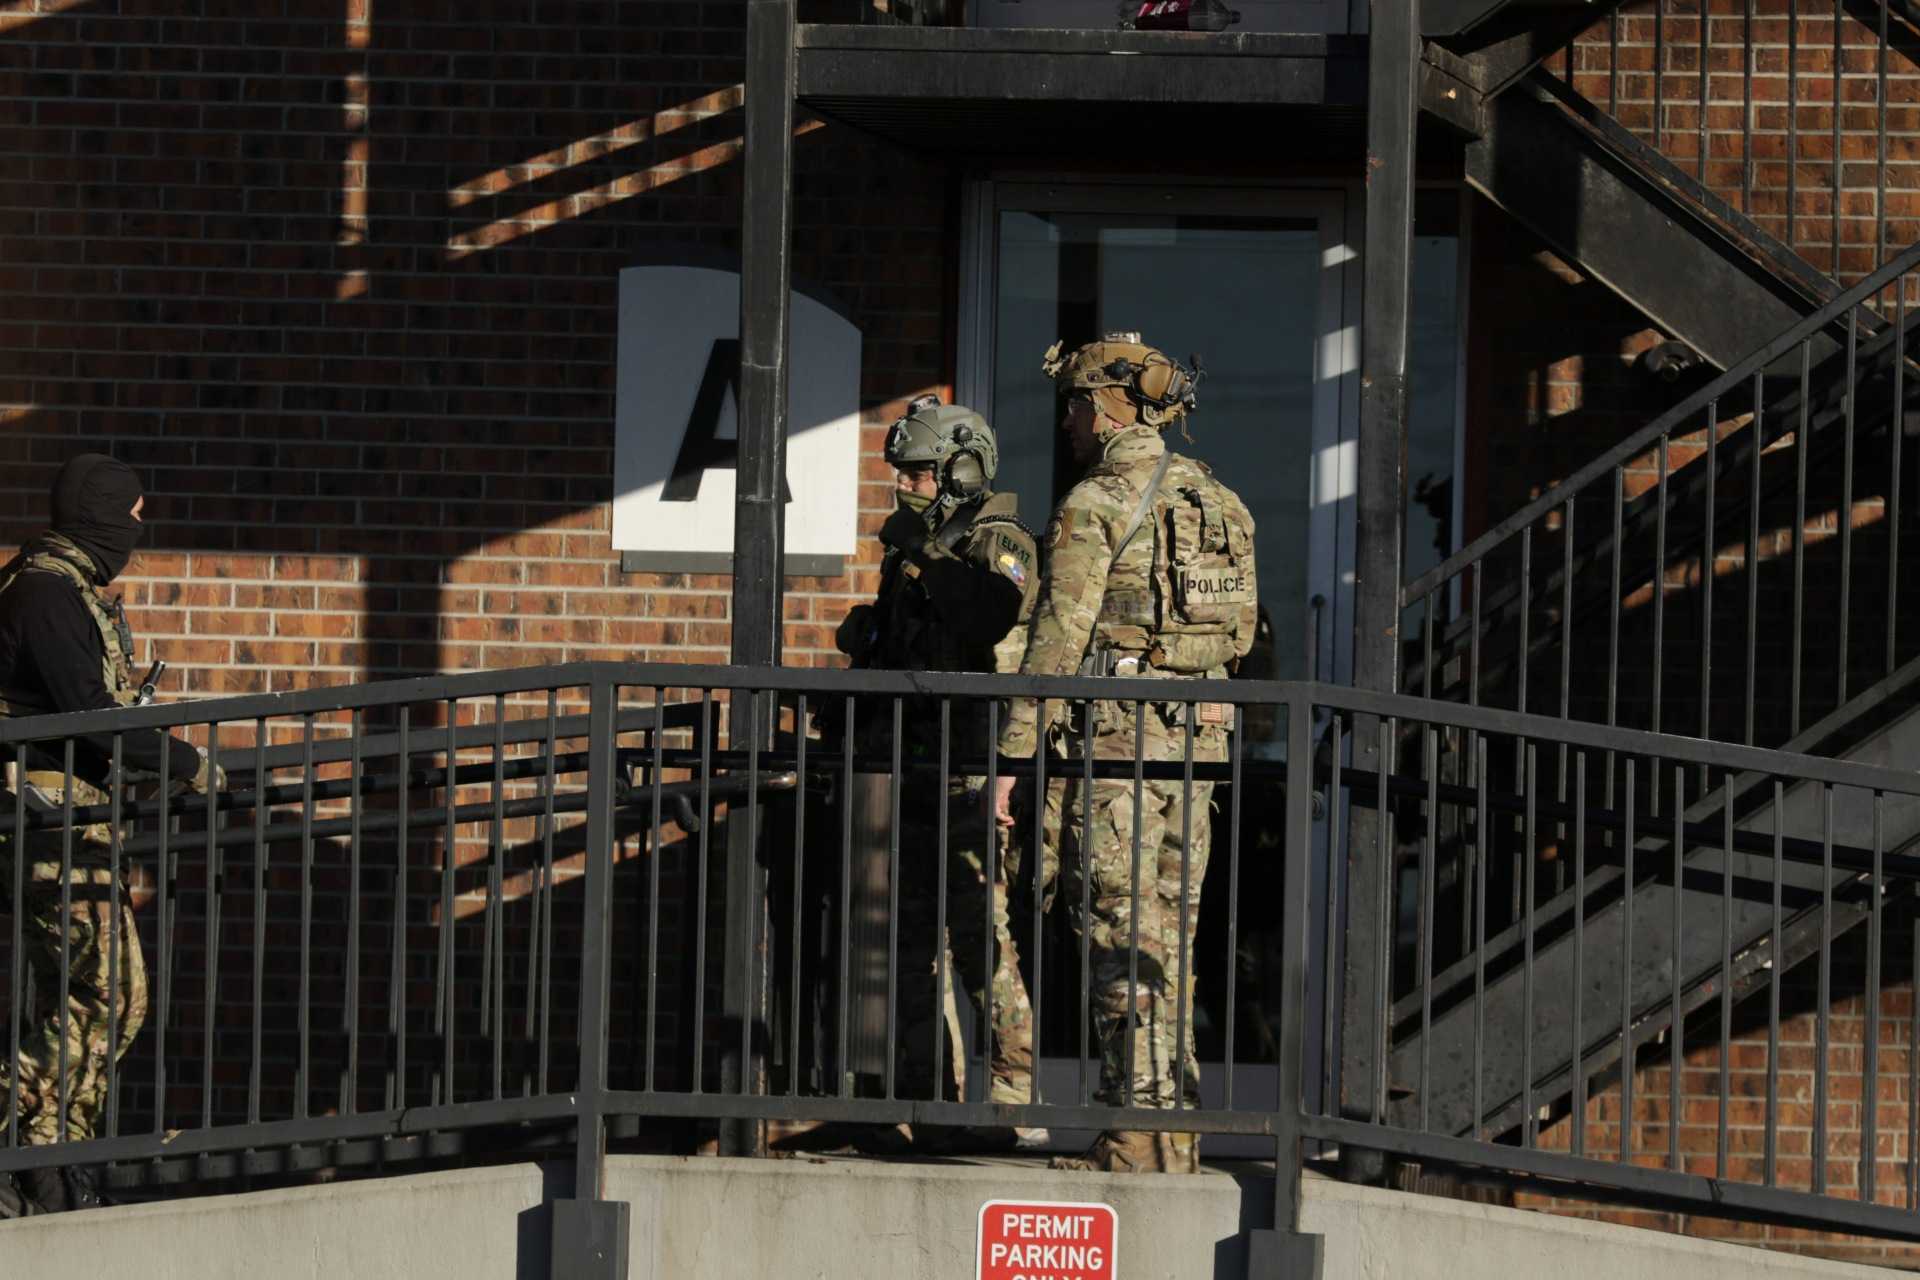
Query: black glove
(904, 530)
(857, 632)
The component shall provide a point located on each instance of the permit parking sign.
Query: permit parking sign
(1044, 1240)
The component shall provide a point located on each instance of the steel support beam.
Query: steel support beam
(1392, 108)
(1627, 229)
(759, 532)
(766, 285)
(1517, 40)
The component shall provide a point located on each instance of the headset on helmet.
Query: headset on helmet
(953, 439)
(1159, 387)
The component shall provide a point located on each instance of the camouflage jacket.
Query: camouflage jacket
(1180, 597)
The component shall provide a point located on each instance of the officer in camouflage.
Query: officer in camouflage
(66, 647)
(957, 580)
(1149, 574)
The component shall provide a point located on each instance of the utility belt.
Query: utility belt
(1112, 660)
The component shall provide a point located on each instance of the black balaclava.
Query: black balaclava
(93, 499)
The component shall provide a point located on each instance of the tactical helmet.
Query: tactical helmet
(1130, 381)
(955, 440)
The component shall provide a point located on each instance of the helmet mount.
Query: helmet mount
(1139, 382)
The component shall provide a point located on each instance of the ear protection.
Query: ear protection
(1157, 383)
(965, 474)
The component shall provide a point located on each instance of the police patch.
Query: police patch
(1213, 586)
(1015, 571)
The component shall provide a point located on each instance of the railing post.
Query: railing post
(590, 1234)
(1393, 59)
(744, 976)
(1283, 1251)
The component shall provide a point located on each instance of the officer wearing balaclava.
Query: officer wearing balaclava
(64, 646)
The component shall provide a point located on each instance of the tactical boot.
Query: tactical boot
(45, 1190)
(846, 1135)
(1125, 1151)
(13, 1204)
(83, 1188)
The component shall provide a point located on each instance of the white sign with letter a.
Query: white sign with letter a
(676, 425)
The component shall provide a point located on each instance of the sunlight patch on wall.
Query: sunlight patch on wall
(625, 187)
(598, 145)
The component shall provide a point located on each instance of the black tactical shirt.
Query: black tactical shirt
(50, 644)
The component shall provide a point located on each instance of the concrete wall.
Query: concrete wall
(849, 1220)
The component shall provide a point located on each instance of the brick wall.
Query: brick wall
(340, 282)
(1791, 1071)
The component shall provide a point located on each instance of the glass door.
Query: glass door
(1252, 284)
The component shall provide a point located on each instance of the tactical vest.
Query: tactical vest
(1179, 591)
(911, 637)
(51, 553)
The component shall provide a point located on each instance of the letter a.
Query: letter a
(700, 449)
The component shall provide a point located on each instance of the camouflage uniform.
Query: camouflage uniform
(106, 973)
(912, 626)
(1175, 601)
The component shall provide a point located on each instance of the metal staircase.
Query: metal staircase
(1694, 192)
(1734, 570)
(1536, 975)
(1522, 1026)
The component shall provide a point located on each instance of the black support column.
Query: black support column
(1392, 98)
(759, 525)
(766, 239)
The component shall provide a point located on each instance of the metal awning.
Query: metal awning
(961, 90)
(954, 64)
(970, 91)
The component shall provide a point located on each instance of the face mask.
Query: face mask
(915, 502)
(93, 499)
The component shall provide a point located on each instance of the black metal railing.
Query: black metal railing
(1733, 569)
(1735, 923)
(354, 885)
(556, 905)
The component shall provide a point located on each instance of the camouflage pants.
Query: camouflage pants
(105, 980)
(976, 910)
(1138, 918)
